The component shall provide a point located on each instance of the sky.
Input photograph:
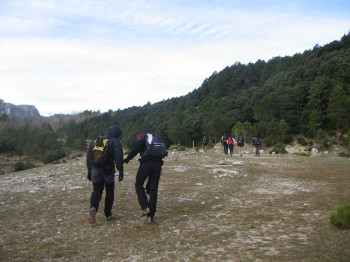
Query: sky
(67, 56)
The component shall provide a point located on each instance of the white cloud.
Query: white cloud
(140, 51)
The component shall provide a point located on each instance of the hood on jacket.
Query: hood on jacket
(114, 131)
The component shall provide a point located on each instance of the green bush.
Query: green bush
(177, 147)
(53, 156)
(341, 218)
(172, 147)
(345, 139)
(19, 165)
(279, 149)
(302, 141)
(344, 154)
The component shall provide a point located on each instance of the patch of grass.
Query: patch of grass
(177, 148)
(341, 218)
(302, 154)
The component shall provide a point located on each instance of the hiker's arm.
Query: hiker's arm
(118, 155)
(138, 147)
(88, 162)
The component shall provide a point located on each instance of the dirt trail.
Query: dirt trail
(211, 207)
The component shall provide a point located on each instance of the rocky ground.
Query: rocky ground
(211, 207)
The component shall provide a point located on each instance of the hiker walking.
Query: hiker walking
(257, 145)
(230, 142)
(151, 149)
(224, 143)
(240, 145)
(102, 174)
(205, 143)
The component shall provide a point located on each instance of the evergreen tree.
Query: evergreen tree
(339, 108)
(314, 121)
(283, 128)
(238, 129)
(176, 128)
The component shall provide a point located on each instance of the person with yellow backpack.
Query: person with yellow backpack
(103, 156)
(224, 143)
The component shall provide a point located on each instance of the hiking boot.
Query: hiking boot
(110, 217)
(150, 220)
(145, 212)
(92, 216)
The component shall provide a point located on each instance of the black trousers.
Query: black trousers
(152, 171)
(96, 196)
(230, 146)
(257, 150)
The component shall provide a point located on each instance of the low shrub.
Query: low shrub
(20, 165)
(341, 218)
(53, 156)
(302, 141)
(177, 147)
(344, 154)
(279, 149)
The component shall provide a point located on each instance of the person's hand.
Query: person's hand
(121, 176)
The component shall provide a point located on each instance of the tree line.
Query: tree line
(305, 95)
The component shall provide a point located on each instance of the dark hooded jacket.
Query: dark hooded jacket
(115, 150)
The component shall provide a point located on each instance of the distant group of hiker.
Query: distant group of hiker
(228, 143)
(105, 155)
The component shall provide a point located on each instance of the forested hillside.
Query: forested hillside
(305, 95)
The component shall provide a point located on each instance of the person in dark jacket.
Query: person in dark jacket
(103, 177)
(257, 145)
(205, 143)
(150, 167)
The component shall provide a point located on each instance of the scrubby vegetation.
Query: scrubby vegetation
(341, 218)
(279, 149)
(20, 165)
(177, 148)
(302, 154)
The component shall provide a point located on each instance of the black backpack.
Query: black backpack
(257, 141)
(155, 147)
(99, 152)
(240, 141)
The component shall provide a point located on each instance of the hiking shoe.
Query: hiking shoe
(145, 212)
(92, 216)
(109, 218)
(150, 220)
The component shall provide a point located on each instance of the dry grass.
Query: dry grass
(273, 208)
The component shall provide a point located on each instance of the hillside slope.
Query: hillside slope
(302, 94)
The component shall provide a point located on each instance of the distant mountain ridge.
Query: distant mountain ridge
(12, 111)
